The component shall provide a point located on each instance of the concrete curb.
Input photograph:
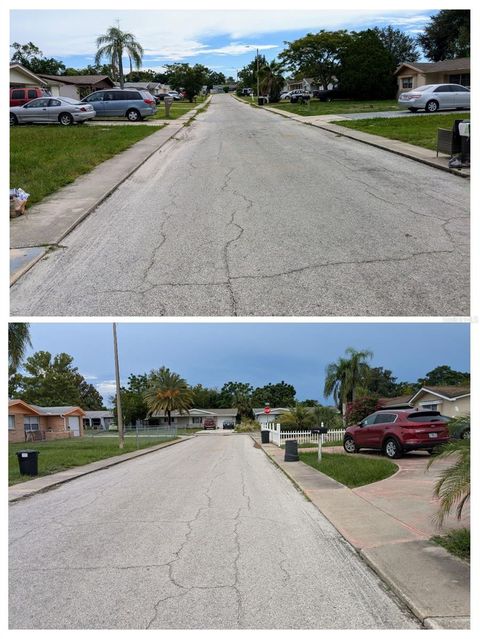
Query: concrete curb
(80, 471)
(415, 606)
(376, 141)
(181, 123)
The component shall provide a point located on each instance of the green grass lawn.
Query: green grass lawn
(351, 470)
(315, 107)
(420, 130)
(43, 158)
(66, 453)
(456, 542)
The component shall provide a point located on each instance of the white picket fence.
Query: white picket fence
(278, 436)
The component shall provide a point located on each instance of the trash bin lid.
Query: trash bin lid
(464, 129)
(21, 452)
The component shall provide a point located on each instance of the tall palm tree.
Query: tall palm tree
(297, 417)
(453, 485)
(113, 45)
(167, 393)
(345, 377)
(18, 341)
(271, 79)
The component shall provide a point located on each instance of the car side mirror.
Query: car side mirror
(360, 424)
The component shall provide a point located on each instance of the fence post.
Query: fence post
(320, 444)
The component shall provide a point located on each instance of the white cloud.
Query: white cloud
(106, 388)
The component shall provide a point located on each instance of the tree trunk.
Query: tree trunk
(169, 415)
(120, 68)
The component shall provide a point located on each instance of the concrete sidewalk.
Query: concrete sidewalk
(41, 484)
(417, 153)
(432, 583)
(47, 223)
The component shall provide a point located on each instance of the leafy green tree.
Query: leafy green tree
(215, 77)
(204, 397)
(113, 45)
(248, 75)
(168, 392)
(444, 376)
(280, 394)
(271, 80)
(380, 381)
(447, 36)
(402, 47)
(311, 403)
(316, 55)
(298, 417)
(345, 376)
(53, 381)
(31, 57)
(238, 395)
(190, 79)
(453, 485)
(327, 416)
(134, 406)
(367, 68)
(18, 342)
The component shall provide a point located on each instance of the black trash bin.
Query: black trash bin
(261, 100)
(291, 450)
(265, 436)
(28, 462)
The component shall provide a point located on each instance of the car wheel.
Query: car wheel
(431, 106)
(412, 109)
(349, 445)
(392, 449)
(133, 115)
(65, 119)
(13, 119)
(465, 434)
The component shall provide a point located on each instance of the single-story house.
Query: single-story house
(268, 418)
(76, 86)
(411, 75)
(98, 419)
(155, 88)
(20, 77)
(30, 422)
(452, 401)
(306, 84)
(196, 416)
(402, 401)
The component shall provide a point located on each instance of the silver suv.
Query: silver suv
(133, 104)
(433, 97)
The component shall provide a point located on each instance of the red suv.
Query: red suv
(398, 431)
(19, 97)
(209, 423)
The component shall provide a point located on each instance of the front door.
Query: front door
(74, 425)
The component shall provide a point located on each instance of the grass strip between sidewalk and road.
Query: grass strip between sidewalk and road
(336, 107)
(349, 470)
(420, 130)
(60, 454)
(457, 542)
(45, 158)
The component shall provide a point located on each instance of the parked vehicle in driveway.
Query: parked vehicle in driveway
(59, 110)
(434, 97)
(228, 425)
(19, 97)
(299, 95)
(133, 104)
(209, 424)
(398, 431)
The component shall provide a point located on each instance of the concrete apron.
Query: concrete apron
(431, 582)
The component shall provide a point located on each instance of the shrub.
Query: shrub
(361, 408)
(247, 426)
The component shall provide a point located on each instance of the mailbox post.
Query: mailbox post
(168, 103)
(321, 432)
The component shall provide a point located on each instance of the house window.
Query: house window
(460, 78)
(30, 423)
(407, 83)
(11, 422)
(165, 420)
(433, 406)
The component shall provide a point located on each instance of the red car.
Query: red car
(20, 96)
(398, 431)
(209, 423)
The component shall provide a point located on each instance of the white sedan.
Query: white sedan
(433, 97)
(46, 110)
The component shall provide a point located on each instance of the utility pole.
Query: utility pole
(258, 79)
(121, 439)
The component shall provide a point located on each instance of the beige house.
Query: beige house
(76, 86)
(27, 422)
(451, 401)
(411, 75)
(20, 77)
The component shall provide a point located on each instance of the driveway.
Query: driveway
(247, 213)
(206, 534)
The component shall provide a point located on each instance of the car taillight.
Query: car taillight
(148, 101)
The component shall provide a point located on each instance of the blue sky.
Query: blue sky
(259, 353)
(222, 40)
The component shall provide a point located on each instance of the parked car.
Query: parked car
(209, 424)
(133, 104)
(433, 97)
(247, 91)
(59, 110)
(19, 97)
(175, 95)
(398, 431)
(299, 95)
(228, 424)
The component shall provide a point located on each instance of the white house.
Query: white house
(196, 417)
(98, 419)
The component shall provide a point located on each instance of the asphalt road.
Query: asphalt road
(204, 534)
(249, 213)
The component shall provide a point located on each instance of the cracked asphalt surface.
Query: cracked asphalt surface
(249, 213)
(205, 534)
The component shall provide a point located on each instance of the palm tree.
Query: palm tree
(453, 486)
(113, 45)
(271, 79)
(297, 417)
(168, 392)
(18, 341)
(345, 377)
